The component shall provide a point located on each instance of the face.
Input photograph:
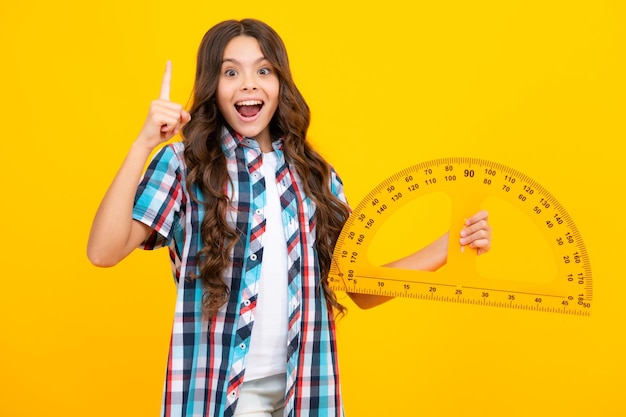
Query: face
(247, 91)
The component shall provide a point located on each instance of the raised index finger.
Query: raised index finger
(165, 84)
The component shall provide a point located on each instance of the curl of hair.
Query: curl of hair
(207, 163)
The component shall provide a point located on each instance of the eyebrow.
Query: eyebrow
(234, 61)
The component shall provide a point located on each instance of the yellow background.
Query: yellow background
(536, 85)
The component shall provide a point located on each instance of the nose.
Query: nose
(249, 84)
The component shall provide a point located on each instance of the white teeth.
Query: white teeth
(249, 103)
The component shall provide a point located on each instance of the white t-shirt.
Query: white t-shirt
(268, 345)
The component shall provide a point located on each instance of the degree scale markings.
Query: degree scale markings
(468, 182)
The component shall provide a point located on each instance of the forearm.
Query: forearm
(430, 258)
(114, 233)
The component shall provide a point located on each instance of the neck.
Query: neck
(265, 142)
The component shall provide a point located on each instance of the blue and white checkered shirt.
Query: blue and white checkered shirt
(207, 360)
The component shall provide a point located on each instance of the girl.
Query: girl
(250, 214)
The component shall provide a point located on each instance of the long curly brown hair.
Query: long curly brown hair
(207, 163)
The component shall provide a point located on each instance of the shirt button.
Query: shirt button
(246, 303)
(242, 346)
(253, 257)
(259, 211)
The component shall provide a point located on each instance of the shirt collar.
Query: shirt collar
(232, 139)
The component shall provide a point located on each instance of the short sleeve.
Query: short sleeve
(159, 196)
(336, 186)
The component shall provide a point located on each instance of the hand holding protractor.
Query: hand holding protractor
(468, 182)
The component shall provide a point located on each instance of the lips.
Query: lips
(249, 108)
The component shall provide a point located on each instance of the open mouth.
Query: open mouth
(249, 108)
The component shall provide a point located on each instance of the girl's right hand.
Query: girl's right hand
(165, 118)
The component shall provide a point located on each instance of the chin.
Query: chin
(248, 133)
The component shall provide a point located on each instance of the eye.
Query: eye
(230, 72)
(265, 71)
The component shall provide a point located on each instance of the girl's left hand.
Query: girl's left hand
(477, 232)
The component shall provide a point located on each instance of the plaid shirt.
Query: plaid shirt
(207, 360)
